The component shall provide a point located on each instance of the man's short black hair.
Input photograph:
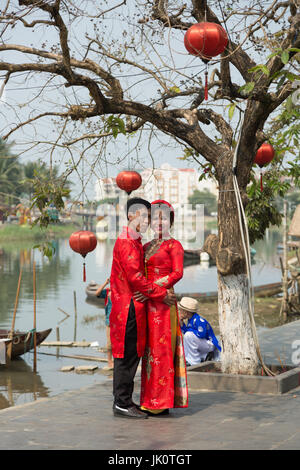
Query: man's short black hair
(137, 200)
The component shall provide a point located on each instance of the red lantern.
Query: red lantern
(129, 181)
(205, 40)
(264, 155)
(83, 242)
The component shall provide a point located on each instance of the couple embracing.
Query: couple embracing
(144, 318)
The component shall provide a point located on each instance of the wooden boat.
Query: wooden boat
(265, 290)
(198, 255)
(22, 341)
(192, 254)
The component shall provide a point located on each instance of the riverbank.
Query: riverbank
(266, 313)
(14, 232)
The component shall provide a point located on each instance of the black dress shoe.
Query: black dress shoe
(131, 412)
(138, 407)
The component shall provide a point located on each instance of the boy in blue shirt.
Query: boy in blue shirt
(199, 341)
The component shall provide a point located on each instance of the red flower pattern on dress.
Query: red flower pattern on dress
(162, 381)
(156, 361)
(162, 339)
(159, 390)
(154, 402)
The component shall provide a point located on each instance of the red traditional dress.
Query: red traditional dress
(164, 383)
(128, 276)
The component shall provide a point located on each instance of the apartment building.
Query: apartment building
(175, 185)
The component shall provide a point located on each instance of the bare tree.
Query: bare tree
(130, 73)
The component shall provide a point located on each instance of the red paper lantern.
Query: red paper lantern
(264, 155)
(205, 40)
(83, 242)
(129, 181)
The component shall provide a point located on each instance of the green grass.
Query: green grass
(10, 232)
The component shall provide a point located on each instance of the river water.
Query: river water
(57, 281)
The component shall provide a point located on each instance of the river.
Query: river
(56, 282)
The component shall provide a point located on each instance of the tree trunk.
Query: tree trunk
(238, 348)
(239, 355)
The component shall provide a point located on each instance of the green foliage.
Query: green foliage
(284, 54)
(47, 249)
(282, 175)
(108, 200)
(48, 192)
(261, 210)
(174, 89)
(206, 198)
(294, 199)
(260, 68)
(207, 169)
(231, 110)
(247, 88)
(115, 124)
(10, 174)
(188, 153)
(287, 137)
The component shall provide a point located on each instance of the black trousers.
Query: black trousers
(125, 368)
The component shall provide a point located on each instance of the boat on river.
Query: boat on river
(200, 255)
(22, 341)
(265, 290)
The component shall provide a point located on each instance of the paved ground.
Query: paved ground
(83, 419)
(281, 344)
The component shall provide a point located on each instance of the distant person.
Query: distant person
(103, 293)
(200, 342)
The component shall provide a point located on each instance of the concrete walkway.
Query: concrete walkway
(83, 419)
(281, 344)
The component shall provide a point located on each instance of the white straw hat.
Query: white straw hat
(189, 304)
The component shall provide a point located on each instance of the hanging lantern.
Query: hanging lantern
(129, 181)
(83, 242)
(206, 40)
(264, 155)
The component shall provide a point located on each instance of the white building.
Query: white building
(174, 185)
(106, 188)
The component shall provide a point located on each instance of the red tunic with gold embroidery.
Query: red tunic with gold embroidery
(164, 383)
(128, 276)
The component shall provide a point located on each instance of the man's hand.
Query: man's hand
(170, 298)
(139, 297)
